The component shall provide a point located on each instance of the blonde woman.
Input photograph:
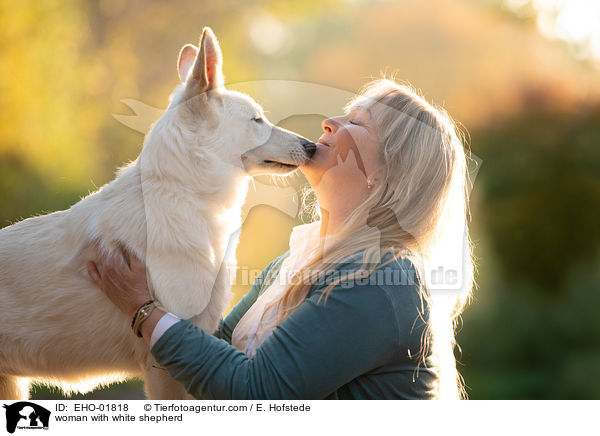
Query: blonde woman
(347, 312)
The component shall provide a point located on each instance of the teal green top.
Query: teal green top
(364, 342)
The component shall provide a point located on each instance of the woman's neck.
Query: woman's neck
(333, 218)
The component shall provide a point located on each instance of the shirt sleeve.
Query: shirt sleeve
(163, 324)
(320, 347)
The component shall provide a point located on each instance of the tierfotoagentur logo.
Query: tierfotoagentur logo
(443, 271)
(26, 415)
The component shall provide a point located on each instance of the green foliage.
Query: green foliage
(528, 346)
(532, 331)
(24, 191)
(541, 182)
(130, 390)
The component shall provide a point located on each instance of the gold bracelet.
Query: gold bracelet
(142, 314)
(137, 312)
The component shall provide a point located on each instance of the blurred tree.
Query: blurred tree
(533, 330)
(541, 182)
(47, 117)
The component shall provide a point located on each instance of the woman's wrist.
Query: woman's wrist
(149, 324)
(135, 305)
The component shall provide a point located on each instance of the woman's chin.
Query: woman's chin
(311, 170)
(318, 164)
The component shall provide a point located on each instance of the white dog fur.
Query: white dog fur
(177, 207)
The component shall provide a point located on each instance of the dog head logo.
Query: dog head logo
(26, 415)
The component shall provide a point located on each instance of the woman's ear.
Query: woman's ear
(375, 177)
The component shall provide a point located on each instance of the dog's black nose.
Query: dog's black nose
(308, 146)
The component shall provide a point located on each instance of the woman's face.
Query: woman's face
(348, 153)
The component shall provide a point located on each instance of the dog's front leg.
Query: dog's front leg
(159, 385)
(182, 284)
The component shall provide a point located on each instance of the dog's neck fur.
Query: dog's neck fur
(190, 209)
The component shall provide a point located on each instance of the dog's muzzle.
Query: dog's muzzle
(309, 147)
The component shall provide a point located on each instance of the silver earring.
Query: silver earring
(370, 184)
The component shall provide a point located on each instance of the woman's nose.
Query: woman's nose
(329, 125)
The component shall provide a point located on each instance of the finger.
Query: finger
(100, 261)
(136, 264)
(113, 265)
(93, 272)
(124, 253)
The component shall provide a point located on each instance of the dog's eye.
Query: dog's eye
(257, 119)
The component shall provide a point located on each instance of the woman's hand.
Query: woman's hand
(122, 278)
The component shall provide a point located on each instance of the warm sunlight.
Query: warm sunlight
(82, 85)
(573, 21)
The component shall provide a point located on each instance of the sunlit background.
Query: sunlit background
(523, 77)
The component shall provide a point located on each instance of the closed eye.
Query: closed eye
(257, 119)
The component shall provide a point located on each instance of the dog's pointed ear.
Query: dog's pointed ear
(207, 72)
(187, 57)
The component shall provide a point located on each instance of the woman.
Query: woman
(357, 321)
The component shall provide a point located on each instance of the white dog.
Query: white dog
(176, 207)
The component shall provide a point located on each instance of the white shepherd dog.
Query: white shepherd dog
(176, 207)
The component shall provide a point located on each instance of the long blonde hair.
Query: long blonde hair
(420, 203)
